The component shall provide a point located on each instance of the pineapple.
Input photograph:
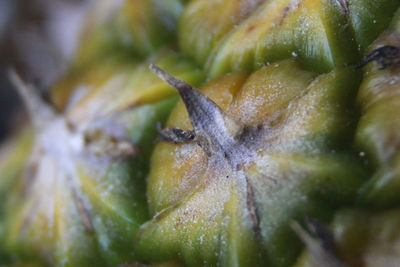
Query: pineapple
(290, 142)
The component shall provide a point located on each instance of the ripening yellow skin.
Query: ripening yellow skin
(13, 154)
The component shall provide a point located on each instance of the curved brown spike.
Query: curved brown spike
(384, 56)
(198, 105)
(210, 123)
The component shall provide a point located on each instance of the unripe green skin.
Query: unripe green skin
(368, 235)
(378, 135)
(245, 34)
(303, 164)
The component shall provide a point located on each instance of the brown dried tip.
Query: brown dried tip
(384, 56)
(202, 111)
(213, 129)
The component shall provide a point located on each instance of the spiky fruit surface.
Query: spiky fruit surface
(249, 34)
(255, 169)
(368, 236)
(268, 146)
(273, 136)
(81, 198)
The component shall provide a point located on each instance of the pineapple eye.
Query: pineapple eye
(265, 146)
(81, 197)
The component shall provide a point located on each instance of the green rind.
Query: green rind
(316, 32)
(377, 135)
(369, 18)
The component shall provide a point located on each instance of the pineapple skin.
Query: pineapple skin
(231, 43)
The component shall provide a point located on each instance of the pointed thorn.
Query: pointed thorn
(214, 130)
(39, 111)
(160, 73)
(199, 107)
(174, 82)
